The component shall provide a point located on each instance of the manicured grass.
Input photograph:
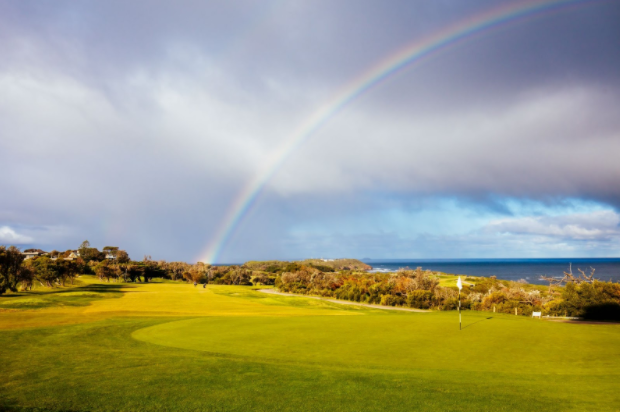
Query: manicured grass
(171, 346)
(73, 296)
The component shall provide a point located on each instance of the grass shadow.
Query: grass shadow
(82, 295)
(481, 320)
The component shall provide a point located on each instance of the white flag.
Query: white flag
(459, 284)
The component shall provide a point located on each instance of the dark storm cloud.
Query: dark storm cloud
(547, 145)
(322, 40)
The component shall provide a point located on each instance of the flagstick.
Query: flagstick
(460, 310)
(460, 286)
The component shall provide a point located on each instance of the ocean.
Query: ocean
(509, 269)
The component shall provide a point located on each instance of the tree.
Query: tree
(152, 269)
(67, 270)
(122, 257)
(10, 268)
(116, 271)
(197, 275)
(176, 269)
(83, 249)
(27, 277)
(570, 278)
(104, 270)
(93, 254)
(45, 270)
(134, 272)
(90, 253)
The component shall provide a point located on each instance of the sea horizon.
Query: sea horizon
(516, 269)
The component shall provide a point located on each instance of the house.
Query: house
(73, 255)
(30, 253)
(110, 252)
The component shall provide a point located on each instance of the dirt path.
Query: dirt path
(342, 302)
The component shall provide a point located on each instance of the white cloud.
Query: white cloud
(10, 237)
(599, 225)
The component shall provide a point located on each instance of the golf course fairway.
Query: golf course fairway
(173, 346)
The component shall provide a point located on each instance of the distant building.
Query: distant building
(73, 255)
(30, 253)
(110, 252)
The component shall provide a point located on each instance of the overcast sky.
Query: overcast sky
(137, 124)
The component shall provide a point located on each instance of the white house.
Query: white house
(73, 255)
(30, 253)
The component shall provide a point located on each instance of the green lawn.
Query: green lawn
(171, 346)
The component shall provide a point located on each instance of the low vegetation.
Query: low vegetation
(423, 289)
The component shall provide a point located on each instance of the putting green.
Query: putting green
(499, 343)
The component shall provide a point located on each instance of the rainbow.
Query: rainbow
(394, 63)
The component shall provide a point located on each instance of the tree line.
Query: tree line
(582, 296)
(18, 273)
(112, 265)
(59, 268)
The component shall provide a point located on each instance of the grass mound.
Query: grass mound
(397, 342)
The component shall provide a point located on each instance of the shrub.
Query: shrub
(602, 311)
(391, 300)
(450, 304)
(421, 299)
